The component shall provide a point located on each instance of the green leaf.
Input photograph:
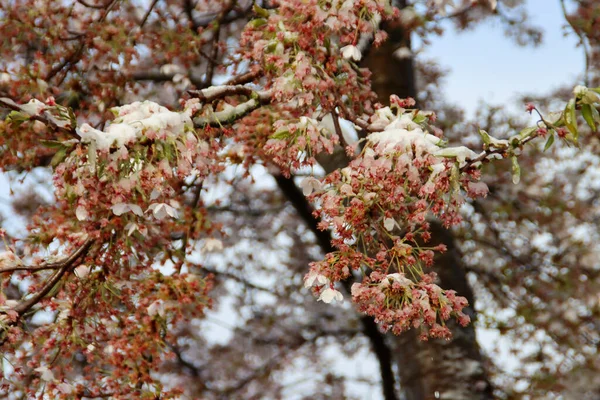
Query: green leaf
(280, 134)
(59, 156)
(570, 118)
(586, 111)
(527, 131)
(17, 117)
(549, 142)
(419, 118)
(52, 144)
(485, 137)
(516, 170)
(258, 22)
(261, 12)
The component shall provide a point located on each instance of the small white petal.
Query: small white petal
(351, 52)
(47, 375)
(137, 210)
(156, 308)
(65, 388)
(130, 228)
(81, 213)
(119, 208)
(389, 223)
(171, 211)
(82, 271)
(322, 279)
(328, 295)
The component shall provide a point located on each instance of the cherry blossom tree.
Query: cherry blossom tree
(159, 120)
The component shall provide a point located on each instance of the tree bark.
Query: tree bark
(436, 369)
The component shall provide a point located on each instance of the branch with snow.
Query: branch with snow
(38, 111)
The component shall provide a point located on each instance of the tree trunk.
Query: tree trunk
(437, 369)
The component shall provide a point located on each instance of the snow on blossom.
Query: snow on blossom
(161, 210)
(122, 208)
(119, 134)
(46, 374)
(389, 141)
(33, 107)
(461, 153)
(329, 295)
(580, 91)
(131, 123)
(314, 277)
(351, 52)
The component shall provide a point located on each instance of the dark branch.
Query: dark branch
(370, 329)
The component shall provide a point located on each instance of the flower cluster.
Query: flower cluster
(378, 207)
(307, 51)
(132, 168)
(399, 303)
(295, 144)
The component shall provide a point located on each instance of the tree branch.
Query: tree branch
(370, 329)
(63, 266)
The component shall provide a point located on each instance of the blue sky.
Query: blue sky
(485, 64)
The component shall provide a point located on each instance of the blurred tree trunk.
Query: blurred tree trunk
(441, 369)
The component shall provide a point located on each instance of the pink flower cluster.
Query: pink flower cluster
(295, 144)
(399, 303)
(377, 208)
(130, 173)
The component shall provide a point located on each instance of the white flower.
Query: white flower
(389, 223)
(580, 91)
(47, 375)
(65, 388)
(397, 277)
(81, 213)
(156, 308)
(9, 259)
(461, 153)
(4, 77)
(309, 280)
(328, 295)
(122, 208)
(132, 227)
(161, 210)
(309, 185)
(82, 271)
(351, 52)
(212, 244)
